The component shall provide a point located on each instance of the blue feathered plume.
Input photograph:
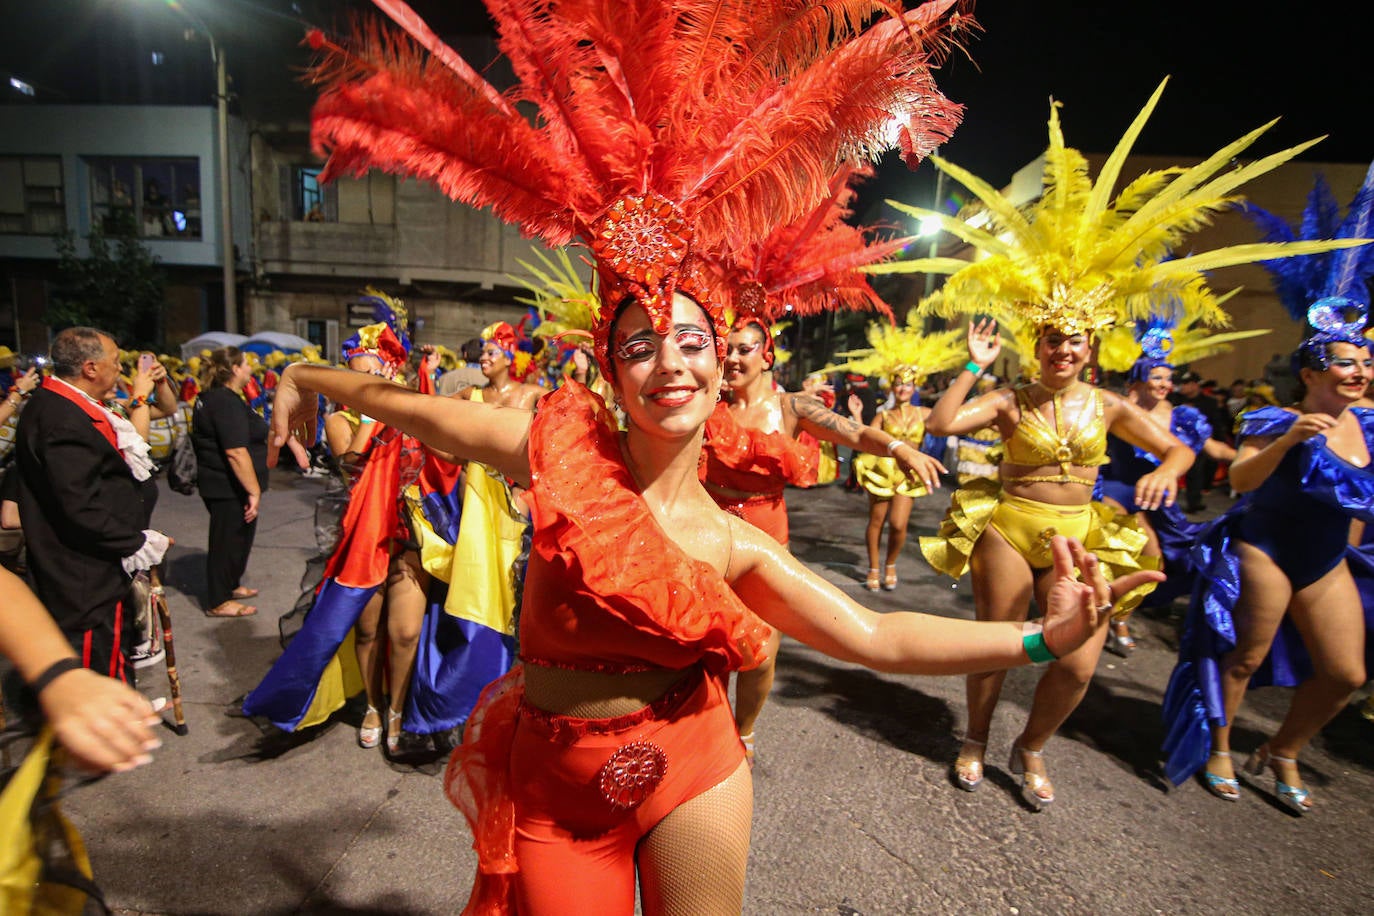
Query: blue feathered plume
(1301, 281)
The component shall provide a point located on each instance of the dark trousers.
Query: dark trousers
(226, 557)
(104, 648)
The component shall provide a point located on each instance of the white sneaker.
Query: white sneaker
(146, 655)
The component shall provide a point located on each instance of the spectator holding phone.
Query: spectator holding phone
(80, 500)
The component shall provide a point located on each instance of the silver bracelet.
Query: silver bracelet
(892, 446)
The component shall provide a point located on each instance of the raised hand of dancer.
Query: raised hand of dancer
(1076, 608)
(984, 343)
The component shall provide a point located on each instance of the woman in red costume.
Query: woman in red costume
(610, 756)
(612, 747)
(762, 439)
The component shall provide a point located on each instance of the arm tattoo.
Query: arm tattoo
(824, 422)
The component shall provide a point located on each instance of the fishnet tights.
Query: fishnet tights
(693, 862)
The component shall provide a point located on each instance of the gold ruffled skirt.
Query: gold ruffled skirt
(1115, 539)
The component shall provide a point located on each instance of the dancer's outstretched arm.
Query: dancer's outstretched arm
(496, 436)
(802, 604)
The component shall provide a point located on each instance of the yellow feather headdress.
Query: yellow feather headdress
(1078, 261)
(903, 353)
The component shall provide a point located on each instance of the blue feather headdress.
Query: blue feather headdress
(1327, 291)
(1155, 335)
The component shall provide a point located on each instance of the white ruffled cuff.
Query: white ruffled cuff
(154, 548)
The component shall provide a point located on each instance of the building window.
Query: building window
(153, 198)
(31, 195)
(311, 201)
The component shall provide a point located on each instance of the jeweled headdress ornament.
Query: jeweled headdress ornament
(1078, 260)
(1327, 292)
(661, 127)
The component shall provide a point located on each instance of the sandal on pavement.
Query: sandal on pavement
(1223, 787)
(1294, 798)
(370, 736)
(1032, 784)
(393, 738)
(968, 770)
(1119, 639)
(890, 578)
(872, 583)
(244, 592)
(231, 608)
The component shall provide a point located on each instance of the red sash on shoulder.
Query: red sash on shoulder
(99, 418)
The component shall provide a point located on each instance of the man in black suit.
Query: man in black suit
(80, 502)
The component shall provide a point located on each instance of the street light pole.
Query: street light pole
(226, 220)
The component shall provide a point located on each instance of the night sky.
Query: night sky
(1233, 66)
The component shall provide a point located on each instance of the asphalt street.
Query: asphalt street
(855, 811)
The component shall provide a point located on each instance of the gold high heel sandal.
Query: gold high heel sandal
(968, 771)
(1031, 783)
(872, 584)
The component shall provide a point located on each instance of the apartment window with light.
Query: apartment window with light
(32, 197)
(150, 197)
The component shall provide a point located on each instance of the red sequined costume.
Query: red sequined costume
(751, 461)
(557, 804)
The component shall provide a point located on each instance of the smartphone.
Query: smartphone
(146, 361)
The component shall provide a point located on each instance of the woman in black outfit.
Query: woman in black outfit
(231, 449)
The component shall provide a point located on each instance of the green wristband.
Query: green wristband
(1036, 650)
(973, 367)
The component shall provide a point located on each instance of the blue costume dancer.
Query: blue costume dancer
(1161, 342)
(1275, 602)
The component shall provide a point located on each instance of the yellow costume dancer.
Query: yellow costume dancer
(1055, 274)
(905, 356)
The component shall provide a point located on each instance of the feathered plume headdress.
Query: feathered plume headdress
(808, 266)
(1164, 340)
(904, 353)
(1327, 292)
(661, 127)
(386, 338)
(1078, 261)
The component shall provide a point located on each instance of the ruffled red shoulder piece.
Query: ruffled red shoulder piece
(590, 522)
(774, 456)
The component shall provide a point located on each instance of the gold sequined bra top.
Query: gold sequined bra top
(912, 432)
(1081, 442)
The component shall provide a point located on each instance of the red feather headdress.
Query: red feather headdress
(809, 266)
(661, 126)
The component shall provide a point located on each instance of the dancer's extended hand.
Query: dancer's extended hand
(295, 411)
(104, 724)
(1156, 489)
(1077, 608)
(918, 466)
